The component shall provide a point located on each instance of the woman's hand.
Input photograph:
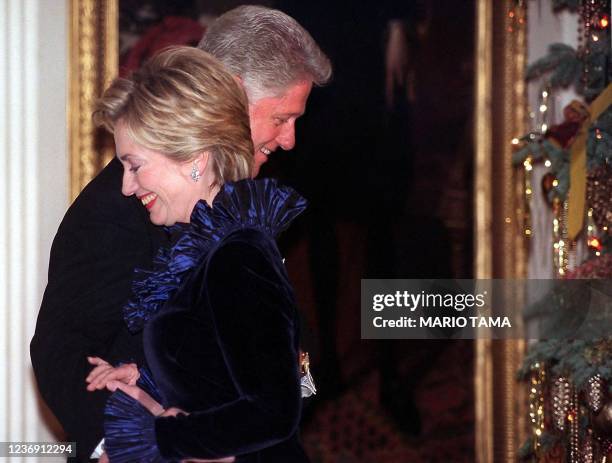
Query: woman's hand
(173, 411)
(139, 395)
(156, 409)
(104, 372)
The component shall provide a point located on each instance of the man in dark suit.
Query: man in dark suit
(105, 235)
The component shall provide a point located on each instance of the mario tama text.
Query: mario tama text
(457, 302)
(493, 309)
(426, 309)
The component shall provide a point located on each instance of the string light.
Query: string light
(573, 418)
(527, 197)
(536, 403)
(593, 239)
(539, 126)
(516, 18)
(595, 244)
(561, 246)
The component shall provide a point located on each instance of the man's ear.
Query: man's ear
(241, 83)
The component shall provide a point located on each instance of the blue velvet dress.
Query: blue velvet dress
(220, 338)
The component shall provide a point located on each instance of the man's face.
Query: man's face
(273, 121)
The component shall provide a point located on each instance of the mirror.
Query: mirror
(454, 188)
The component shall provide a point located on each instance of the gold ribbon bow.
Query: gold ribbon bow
(578, 170)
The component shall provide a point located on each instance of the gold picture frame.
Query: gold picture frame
(500, 252)
(498, 117)
(94, 55)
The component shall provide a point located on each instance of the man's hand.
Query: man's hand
(104, 372)
(156, 409)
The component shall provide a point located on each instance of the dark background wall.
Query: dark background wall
(390, 197)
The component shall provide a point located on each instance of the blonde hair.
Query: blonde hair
(181, 103)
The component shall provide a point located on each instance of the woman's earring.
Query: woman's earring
(195, 173)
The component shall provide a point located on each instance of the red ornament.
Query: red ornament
(603, 22)
(595, 244)
(574, 114)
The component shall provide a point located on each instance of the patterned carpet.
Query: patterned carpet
(357, 428)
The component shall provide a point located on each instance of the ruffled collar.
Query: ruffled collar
(258, 204)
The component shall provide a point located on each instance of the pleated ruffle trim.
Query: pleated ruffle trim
(258, 204)
(129, 428)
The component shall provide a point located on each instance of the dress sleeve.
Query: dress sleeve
(253, 310)
(246, 295)
(129, 428)
(254, 313)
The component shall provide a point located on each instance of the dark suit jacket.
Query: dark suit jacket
(101, 239)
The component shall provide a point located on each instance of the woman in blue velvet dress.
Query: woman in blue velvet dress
(218, 312)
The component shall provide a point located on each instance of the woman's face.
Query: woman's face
(164, 186)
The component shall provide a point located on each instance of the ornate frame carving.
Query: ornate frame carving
(93, 44)
(500, 57)
(500, 404)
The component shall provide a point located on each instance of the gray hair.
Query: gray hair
(267, 49)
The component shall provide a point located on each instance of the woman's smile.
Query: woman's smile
(148, 200)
